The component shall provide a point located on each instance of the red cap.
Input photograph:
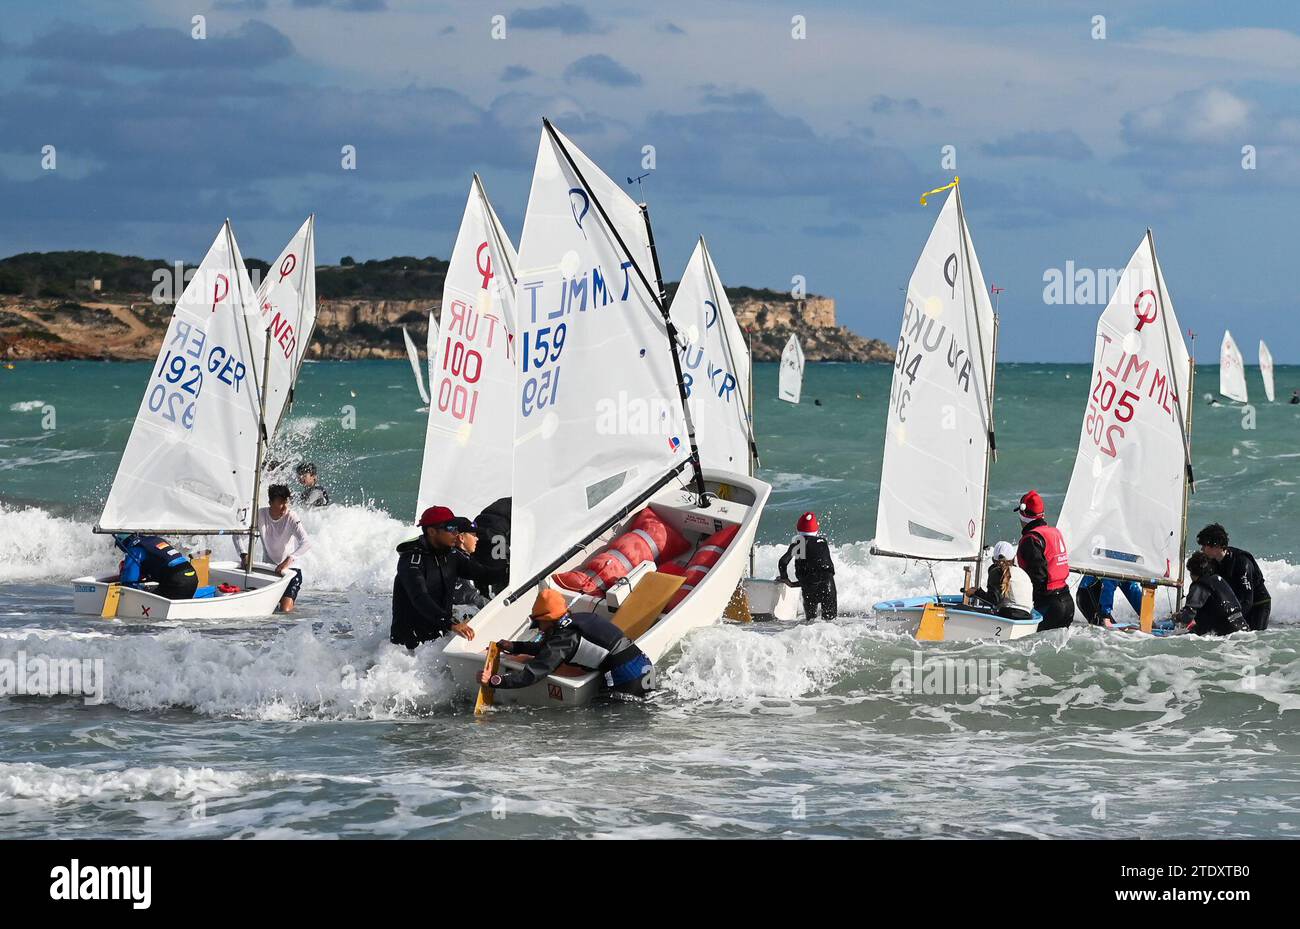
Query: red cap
(1031, 505)
(807, 523)
(436, 516)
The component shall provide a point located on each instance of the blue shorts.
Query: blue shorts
(295, 585)
(638, 669)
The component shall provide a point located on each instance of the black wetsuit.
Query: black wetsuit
(153, 558)
(1055, 606)
(815, 575)
(1242, 573)
(424, 590)
(1211, 608)
(493, 543)
(588, 641)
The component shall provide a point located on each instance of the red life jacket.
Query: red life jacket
(1058, 559)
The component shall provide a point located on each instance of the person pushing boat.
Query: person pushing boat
(1211, 607)
(314, 492)
(583, 639)
(1239, 568)
(814, 570)
(428, 569)
(1043, 556)
(151, 558)
(284, 541)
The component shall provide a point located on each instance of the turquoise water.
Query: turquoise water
(317, 726)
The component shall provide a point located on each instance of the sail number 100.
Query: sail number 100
(1107, 398)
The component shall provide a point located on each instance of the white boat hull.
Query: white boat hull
(960, 625)
(742, 503)
(262, 592)
(773, 600)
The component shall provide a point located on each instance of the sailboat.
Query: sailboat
(192, 465)
(469, 438)
(604, 444)
(1266, 369)
(939, 440)
(791, 378)
(1125, 512)
(413, 355)
(1232, 370)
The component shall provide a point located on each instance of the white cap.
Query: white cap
(1004, 552)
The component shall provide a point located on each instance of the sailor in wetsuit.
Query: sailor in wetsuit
(813, 569)
(152, 558)
(1211, 607)
(1239, 568)
(583, 639)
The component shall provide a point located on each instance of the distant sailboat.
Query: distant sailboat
(192, 465)
(1266, 369)
(791, 382)
(1232, 370)
(939, 438)
(1125, 512)
(414, 356)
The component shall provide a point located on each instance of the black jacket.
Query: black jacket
(1242, 573)
(1212, 606)
(584, 639)
(1032, 556)
(812, 565)
(493, 542)
(424, 589)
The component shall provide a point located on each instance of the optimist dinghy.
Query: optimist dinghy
(192, 465)
(939, 440)
(611, 504)
(1125, 512)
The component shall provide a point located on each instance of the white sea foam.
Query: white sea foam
(48, 785)
(26, 406)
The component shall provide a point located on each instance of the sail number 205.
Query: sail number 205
(541, 354)
(1106, 398)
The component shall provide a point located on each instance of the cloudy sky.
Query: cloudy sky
(792, 156)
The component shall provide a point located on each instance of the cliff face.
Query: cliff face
(130, 327)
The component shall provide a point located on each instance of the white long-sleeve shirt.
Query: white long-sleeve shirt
(281, 538)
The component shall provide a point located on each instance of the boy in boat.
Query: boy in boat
(428, 569)
(1096, 598)
(152, 558)
(1010, 591)
(1043, 556)
(284, 540)
(1239, 568)
(315, 493)
(583, 639)
(813, 569)
(1211, 607)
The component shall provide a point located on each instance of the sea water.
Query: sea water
(315, 725)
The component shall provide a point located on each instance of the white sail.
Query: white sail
(414, 356)
(598, 417)
(790, 386)
(287, 306)
(190, 461)
(1232, 370)
(1266, 369)
(469, 440)
(1123, 511)
(431, 345)
(715, 365)
(932, 481)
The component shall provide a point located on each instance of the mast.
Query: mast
(493, 224)
(710, 273)
(1187, 486)
(261, 449)
(991, 447)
